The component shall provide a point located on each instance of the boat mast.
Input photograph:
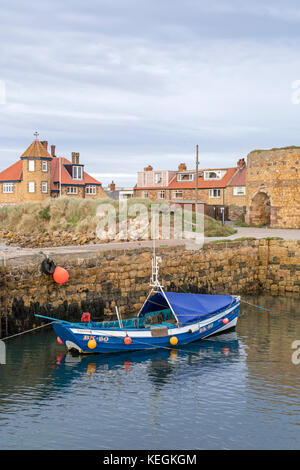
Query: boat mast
(154, 280)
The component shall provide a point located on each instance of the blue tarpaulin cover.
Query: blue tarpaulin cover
(188, 308)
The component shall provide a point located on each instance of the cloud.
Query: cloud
(138, 82)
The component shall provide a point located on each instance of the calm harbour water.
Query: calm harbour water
(239, 390)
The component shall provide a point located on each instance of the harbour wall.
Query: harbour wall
(103, 277)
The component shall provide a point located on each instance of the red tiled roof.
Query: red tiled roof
(36, 149)
(202, 184)
(239, 178)
(66, 178)
(13, 172)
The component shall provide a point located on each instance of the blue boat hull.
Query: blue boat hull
(77, 336)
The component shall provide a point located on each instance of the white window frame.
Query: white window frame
(31, 186)
(91, 189)
(44, 166)
(77, 172)
(31, 165)
(219, 175)
(44, 186)
(8, 188)
(158, 178)
(72, 190)
(212, 193)
(161, 194)
(239, 190)
(183, 177)
(178, 194)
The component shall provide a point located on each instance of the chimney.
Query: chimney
(45, 144)
(148, 168)
(74, 158)
(53, 151)
(181, 167)
(112, 186)
(77, 158)
(241, 163)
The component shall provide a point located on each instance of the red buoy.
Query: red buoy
(59, 340)
(60, 275)
(127, 340)
(225, 321)
(86, 317)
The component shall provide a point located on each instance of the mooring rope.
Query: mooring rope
(27, 331)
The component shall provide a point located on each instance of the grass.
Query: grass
(290, 147)
(66, 214)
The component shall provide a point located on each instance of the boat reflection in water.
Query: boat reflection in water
(197, 359)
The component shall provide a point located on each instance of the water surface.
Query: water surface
(239, 390)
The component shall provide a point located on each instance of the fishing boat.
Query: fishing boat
(166, 320)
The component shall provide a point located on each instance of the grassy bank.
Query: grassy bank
(78, 217)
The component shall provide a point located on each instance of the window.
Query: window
(158, 178)
(177, 194)
(90, 189)
(161, 194)
(31, 187)
(44, 166)
(185, 177)
(214, 174)
(145, 194)
(72, 190)
(31, 165)
(239, 190)
(8, 187)
(214, 193)
(77, 172)
(44, 187)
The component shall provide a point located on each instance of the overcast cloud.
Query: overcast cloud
(129, 83)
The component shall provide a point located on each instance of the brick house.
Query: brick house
(39, 175)
(216, 186)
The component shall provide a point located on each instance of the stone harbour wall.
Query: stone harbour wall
(99, 280)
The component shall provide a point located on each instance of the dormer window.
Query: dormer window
(214, 174)
(158, 178)
(77, 173)
(185, 177)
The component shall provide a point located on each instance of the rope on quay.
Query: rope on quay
(27, 331)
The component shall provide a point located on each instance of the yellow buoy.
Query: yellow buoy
(92, 344)
(173, 340)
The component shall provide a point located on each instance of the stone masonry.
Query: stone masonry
(100, 280)
(273, 188)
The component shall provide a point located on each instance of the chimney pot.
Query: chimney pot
(148, 168)
(45, 144)
(241, 163)
(52, 150)
(181, 167)
(74, 158)
(112, 186)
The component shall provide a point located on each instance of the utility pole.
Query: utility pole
(197, 164)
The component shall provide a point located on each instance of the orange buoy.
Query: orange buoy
(60, 275)
(225, 321)
(127, 340)
(59, 340)
(92, 344)
(173, 340)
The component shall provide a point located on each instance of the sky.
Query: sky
(128, 83)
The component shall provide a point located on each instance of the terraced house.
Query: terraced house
(215, 186)
(39, 174)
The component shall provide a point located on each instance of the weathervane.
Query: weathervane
(36, 134)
